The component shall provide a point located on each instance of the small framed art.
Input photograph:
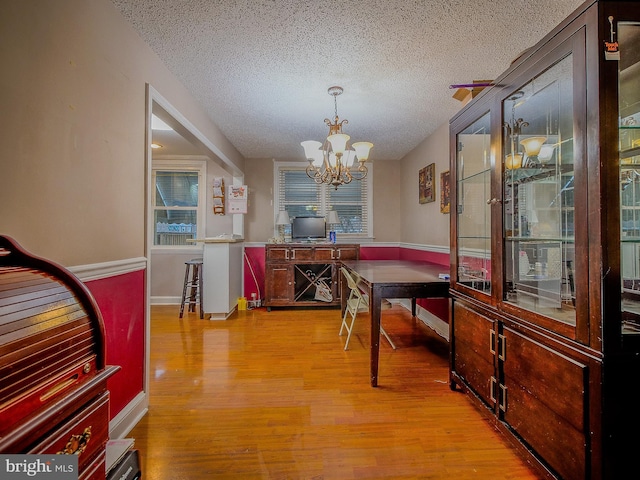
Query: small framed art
(426, 184)
(445, 192)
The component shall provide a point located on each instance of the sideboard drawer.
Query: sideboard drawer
(86, 432)
(96, 469)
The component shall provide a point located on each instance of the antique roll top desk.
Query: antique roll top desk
(53, 377)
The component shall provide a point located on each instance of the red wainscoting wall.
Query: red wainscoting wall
(121, 300)
(254, 271)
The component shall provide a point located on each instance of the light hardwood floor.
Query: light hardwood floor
(273, 395)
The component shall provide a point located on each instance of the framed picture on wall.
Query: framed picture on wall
(445, 192)
(426, 184)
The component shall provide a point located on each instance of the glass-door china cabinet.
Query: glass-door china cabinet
(545, 245)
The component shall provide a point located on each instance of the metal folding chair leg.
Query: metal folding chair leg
(348, 326)
(387, 337)
(357, 302)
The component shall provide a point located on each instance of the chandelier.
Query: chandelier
(333, 162)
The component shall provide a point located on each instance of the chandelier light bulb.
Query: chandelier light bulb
(310, 147)
(338, 142)
(318, 158)
(546, 152)
(362, 150)
(514, 161)
(532, 145)
(348, 158)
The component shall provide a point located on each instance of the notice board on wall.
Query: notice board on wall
(237, 199)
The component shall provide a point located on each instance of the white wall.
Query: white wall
(72, 129)
(72, 140)
(259, 220)
(423, 223)
(387, 214)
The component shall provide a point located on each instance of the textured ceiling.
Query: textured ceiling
(261, 68)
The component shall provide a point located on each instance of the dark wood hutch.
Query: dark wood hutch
(545, 242)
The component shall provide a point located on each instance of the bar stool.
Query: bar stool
(193, 283)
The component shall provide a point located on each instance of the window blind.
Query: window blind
(301, 196)
(176, 206)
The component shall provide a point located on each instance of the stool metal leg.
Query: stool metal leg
(194, 289)
(184, 289)
(200, 290)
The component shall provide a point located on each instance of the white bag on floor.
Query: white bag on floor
(323, 291)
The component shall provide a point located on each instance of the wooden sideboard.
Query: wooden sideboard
(295, 271)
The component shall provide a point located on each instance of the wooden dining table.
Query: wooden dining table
(382, 279)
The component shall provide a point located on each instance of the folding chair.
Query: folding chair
(358, 302)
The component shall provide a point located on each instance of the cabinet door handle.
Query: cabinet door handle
(492, 389)
(493, 201)
(293, 254)
(492, 342)
(502, 347)
(339, 254)
(503, 398)
(286, 254)
(77, 443)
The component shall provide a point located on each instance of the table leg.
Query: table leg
(375, 308)
(413, 306)
(344, 293)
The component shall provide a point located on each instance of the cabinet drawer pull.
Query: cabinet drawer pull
(503, 398)
(492, 342)
(77, 443)
(502, 347)
(492, 390)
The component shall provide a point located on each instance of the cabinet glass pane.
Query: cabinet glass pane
(474, 219)
(538, 194)
(629, 108)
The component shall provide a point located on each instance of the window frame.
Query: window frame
(325, 205)
(187, 166)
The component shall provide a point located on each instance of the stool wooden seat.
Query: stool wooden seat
(192, 283)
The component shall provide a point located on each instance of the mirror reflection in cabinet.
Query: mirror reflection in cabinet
(473, 172)
(629, 138)
(538, 194)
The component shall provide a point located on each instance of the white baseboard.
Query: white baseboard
(165, 300)
(430, 320)
(129, 416)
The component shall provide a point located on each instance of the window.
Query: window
(178, 201)
(299, 195)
